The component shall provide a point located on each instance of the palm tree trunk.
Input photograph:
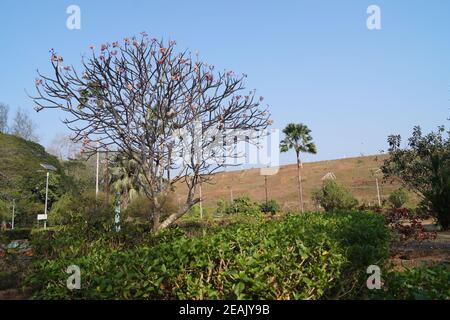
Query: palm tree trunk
(300, 187)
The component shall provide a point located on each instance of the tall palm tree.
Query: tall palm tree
(298, 137)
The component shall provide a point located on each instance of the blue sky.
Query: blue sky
(314, 61)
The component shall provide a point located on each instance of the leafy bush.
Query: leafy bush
(140, 207)
(310, 256)
(244, 206)
(86, 206)
(399, 198)
(426, 283)
(334, 196)
(221, 207)
(270, 206)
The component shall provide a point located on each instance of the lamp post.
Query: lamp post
(49, 168)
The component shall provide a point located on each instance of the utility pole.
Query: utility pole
(96, 175)
(265, 183)
(13, 212)
(378, 192)
(201, 201)
(107, 178)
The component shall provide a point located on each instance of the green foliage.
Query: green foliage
(425, 283)
(5, 211)
(298, 137)
(334, 196)
(271, 207)
(85, 207)
(243, 205)
(424, 166)
(221, 207)
(194, 212)
(310, 256)
(399, 198)
(22, 178)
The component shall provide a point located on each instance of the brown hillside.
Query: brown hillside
(354, 173)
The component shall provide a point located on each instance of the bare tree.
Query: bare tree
(167, 111)
(63, 147)
(23, 126)
(4, 110)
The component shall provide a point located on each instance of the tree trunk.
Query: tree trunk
(156, 214)
(300, 187)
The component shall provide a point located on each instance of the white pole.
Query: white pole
(46, 200)
(13, 212)
(201, 202)
(378, 193)
(96, 175)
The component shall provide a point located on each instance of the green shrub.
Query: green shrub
(270, 206)
(310, 256)
(399, 198)
(334, 196)
(243, 205)
(425, 283)
(221, 207)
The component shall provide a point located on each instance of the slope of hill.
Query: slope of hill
(355, 173)
(21, 176)
(20, 161)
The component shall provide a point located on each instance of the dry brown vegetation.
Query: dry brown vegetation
(354, 173)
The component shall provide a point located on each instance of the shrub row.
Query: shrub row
(310, 256)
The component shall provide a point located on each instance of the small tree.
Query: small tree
(23, 126)
(399, 198)
(423, 167)
(298, 137)
(170, 112)
(334, 196)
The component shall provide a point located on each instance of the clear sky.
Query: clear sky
(314, 61)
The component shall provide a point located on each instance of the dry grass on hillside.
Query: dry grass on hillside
(354, 173)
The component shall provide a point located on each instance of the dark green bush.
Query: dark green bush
(310, 256)
(332, 196)
(426, 283)
(243, 205)
(270, 206)
(17, 234)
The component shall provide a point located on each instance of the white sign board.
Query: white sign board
(42, 217)
(269, 171)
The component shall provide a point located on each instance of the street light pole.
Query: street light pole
(46, 200)
(48, 168)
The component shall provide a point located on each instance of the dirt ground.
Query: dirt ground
(425, 253)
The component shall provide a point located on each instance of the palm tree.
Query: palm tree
(125, 178)
(298, 137)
